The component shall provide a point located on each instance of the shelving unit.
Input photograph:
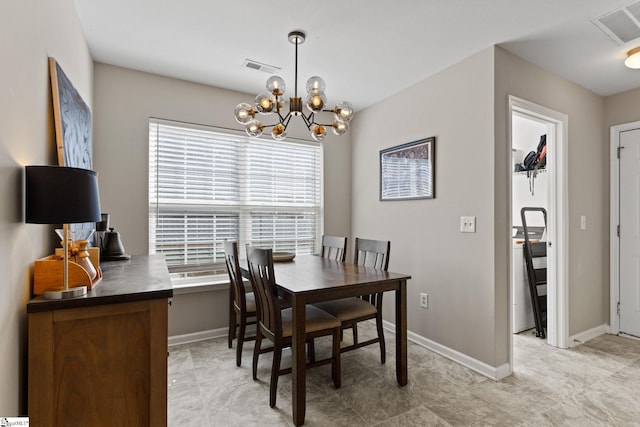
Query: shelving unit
(543, 170)
(536, 274)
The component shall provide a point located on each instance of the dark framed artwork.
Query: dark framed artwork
(72, 120)
(407, 171)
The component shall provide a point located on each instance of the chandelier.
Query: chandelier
(272, 102)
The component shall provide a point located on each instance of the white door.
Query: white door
(630, 232)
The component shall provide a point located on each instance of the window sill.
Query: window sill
(181, 287)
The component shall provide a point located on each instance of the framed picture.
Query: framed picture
(72, 120)
(407, 171)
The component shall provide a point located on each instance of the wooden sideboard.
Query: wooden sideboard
(101, 359)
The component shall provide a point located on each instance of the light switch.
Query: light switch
(583, 222)
(467, 224)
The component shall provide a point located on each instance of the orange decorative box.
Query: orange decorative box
(48, 272)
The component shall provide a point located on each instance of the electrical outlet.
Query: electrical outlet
(424, 300)
(467, 224)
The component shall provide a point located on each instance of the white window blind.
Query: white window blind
(207, 185)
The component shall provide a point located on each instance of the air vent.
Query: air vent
(622, 25)
(255, 65)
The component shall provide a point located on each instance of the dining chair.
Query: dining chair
(242, 304)
(350, 311)
(276, 324)
(334, 247)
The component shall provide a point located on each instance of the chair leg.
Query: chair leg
(232, 325)
(311, 348)
(243, 326)
(383, 356)
(336, 372)
(275, 373)
(354, 328)
(256, 353)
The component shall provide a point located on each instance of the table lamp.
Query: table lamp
(62, 195)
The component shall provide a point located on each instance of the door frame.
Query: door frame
(614, 221)
(557, 227)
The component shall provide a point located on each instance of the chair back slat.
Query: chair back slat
(372, 253)
(235, 277)
(334, 248)
(264, 288)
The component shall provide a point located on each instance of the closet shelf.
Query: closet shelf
(543, 170)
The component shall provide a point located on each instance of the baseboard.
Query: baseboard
(198, 336)
(631, 337)
(495, 373)
(587, 335)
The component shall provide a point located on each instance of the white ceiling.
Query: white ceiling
(366, 50)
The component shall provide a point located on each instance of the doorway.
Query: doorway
(528, 118)
(625, 244)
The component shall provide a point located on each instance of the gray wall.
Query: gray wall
(455, 269)
(30, 31)
(467, 275)
(588, 193)
(619, 109)
(125, 99)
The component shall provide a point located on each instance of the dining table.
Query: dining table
(309, 279)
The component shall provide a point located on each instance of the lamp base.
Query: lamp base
(62, 293)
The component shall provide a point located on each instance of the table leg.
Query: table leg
(401, 334)
(298, 375)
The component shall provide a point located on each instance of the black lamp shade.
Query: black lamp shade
(61, 195)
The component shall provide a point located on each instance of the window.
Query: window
(207, 185)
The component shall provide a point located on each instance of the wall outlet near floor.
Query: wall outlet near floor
(467, 224)
(424, 300)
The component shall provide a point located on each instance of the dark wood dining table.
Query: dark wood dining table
(309, 279)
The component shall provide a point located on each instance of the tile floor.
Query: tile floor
(594, 384)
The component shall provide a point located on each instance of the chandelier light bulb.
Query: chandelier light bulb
(244, 113)
(316, 101)
(315, 84)
(339, 127)
(254, 128)
(343, 111)
(275, 85)
(278, 132)
(318, 133)
(265, 103)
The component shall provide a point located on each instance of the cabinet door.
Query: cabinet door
(99, 366)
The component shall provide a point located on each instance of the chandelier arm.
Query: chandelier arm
(286, 118)
(283, 118)
(285, 122)
(308, 120)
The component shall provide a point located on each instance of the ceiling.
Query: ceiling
(366, 50)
